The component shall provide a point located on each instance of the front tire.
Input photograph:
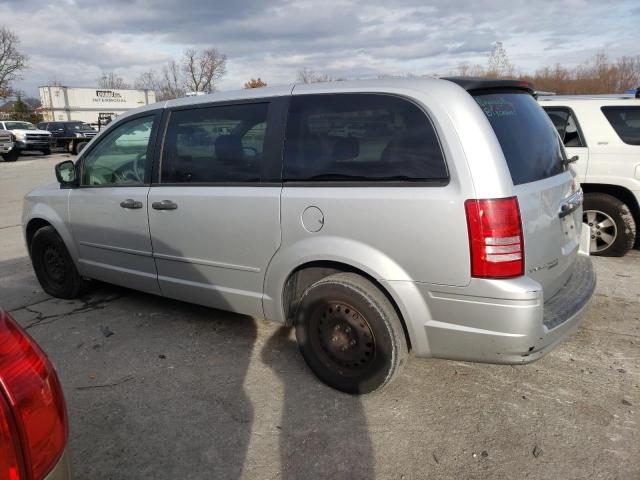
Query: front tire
(46, 151)
(53, 265)
(349, 334)
(611, 223)
(12, 156)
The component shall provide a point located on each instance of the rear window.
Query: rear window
(360, 137)
(625, 121)
(527, 136)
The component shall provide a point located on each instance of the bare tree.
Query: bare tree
(203, 69)
(12, 62)
(148, 80)
(499, 65)
(171, 84)
(255, 83)
(310, 76)
(111, 80)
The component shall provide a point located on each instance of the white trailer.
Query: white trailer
(90, 105)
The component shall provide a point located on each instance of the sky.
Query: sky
(73, 41)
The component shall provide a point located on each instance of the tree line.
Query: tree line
(598, 74)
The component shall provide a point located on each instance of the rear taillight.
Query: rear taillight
(495, 238)
(11, 466)
(34, 400)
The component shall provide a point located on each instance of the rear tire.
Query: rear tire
(79, 147)
(53, 265)
(46, 151)
(611, 223)
(349, 334)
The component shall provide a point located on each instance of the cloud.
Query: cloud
(74, 40)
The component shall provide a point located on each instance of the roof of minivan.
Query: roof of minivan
(373, 85)
(468, 83)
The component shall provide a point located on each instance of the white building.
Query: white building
(88, 104)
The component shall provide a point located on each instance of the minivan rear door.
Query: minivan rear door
(548, 194)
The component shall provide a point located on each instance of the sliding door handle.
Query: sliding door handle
(164, 205)
(130, 203)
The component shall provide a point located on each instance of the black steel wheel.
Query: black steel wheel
(53, 265)
(349, 334)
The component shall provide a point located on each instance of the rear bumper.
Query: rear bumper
(503, 321)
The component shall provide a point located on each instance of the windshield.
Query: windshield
(529, 140)
(19, 126)
(79, 126)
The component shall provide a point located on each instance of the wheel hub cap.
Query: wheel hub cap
(53, 264)
(344, 336)
(602, 230)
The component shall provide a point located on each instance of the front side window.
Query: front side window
(360, 137)
(215, 144)
(567, 125)
(120, 158)
(625, 120)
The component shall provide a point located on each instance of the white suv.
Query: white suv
(603, 132)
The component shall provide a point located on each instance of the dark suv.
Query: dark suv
(70, 135)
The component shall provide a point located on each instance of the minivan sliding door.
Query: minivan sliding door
(214, 216)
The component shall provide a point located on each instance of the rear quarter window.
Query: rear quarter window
(528, 138)
(625, 121)
(360, 137)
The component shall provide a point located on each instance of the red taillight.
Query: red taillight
(35, 398)
(11, 467)
(495, 238)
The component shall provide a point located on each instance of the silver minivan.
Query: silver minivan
(438, 216)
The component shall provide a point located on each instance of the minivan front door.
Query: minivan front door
(108, 211)
(214, 217)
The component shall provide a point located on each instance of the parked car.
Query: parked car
(71, 135)
(7, 146)
(456, 231)
(28, 137)
(33, 416)
(603, 134)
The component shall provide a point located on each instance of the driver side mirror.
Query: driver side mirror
(66, 174)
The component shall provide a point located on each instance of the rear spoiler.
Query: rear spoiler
(472, 84)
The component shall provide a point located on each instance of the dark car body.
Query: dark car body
(70, 134)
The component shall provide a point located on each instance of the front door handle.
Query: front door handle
(164, 205)
(130, 203)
